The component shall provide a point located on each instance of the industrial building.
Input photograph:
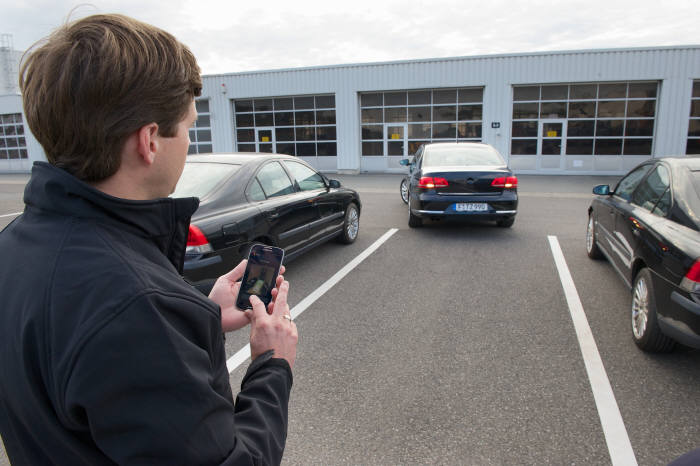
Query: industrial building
(570, 112)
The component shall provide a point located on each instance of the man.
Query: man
(106, 354)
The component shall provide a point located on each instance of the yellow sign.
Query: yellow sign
(552, 134)
(265, 139)
(395, 136)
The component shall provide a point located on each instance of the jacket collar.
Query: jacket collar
(163, 221)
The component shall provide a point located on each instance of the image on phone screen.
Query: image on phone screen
(260, 275)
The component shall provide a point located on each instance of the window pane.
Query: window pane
(470, 112)
(579, 146)
(629, 183)
(395, 115)
(664, 204)
(284, 119)
(696, 89)
(611, 109)
(246, 147)
(695, 108)
(394, 147)
(445, 130)
(284, 104)
(304, 118)
(642, 90)
(651, 189)
(413, 146)
(471, 95)
(203, 120)
(469, 130)
(641, 108)
(325, 117)
(371, 100)
(394, 98)
(264, 119)
(445, 97)
(692, 147)
(372, 115)
(637, 147)
(583, 91)
(609, 127)
(419, 131)
(418, 113)
(202, 106)
(307, 133)
(553, 110)
(244, 119)
(554, 92)
(526, 93)
(306, 178)
(372, 148)
(325, 101)
(580, 128)
(639, 128)
(693, 128)
(327, 149)
(325, 133)
(608, 146)
(419, 98)
(274, 180)
(284, 134)
(372, 131)
(254, 192)
(551, 146)
(286, 148)
(204, 135)
(262, 105)
(612, 91)
(244, 106)
(446, 113)
(523, 146)
(582, 110)
(526, 111)
(301, 103)
(306, 149)
(205, 149)
(524, 129)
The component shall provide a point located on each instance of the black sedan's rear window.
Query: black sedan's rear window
(459, 156)
(200, 178)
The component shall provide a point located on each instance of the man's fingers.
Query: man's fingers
(280, 304)
(258, 307)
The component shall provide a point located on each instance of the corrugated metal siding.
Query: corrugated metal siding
(674, 67)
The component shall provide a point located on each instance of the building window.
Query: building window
(584, 119)
(200, 134)
(13, 145)
(398, 122)
(302, 126)
(693, 144)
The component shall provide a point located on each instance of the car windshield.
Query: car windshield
(199, 178)
(457, 156)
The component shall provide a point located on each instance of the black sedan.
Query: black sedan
(259, 198)
(648, 228)
(462, 180)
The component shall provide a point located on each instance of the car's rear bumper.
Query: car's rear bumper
(437, 205)
(685, 325)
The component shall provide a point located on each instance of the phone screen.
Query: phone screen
(260, 275)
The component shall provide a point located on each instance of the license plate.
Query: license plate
(471, 207)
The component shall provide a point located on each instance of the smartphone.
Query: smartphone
(260, 275)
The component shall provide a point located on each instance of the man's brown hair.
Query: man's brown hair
(95, 81)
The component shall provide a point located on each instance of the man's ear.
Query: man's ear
(147, 142)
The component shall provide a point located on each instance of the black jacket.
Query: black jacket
(106, 354)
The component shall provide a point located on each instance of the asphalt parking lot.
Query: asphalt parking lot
(455, 344)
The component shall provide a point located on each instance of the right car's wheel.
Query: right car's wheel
(413, 221)
(351, 224)
(507, 222)
(645, 326)
(404, 191)
(591, 247)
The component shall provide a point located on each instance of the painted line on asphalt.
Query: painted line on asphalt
(244, 353)
(616, 436)
(11, 215)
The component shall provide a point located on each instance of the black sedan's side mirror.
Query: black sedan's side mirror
(601, 190)
(333, 184)
(404, 162)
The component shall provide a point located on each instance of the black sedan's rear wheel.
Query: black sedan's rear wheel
(506, 222)
(645, 326)
(413, 220)
(591, 247)
(351, 224)
(404, 191)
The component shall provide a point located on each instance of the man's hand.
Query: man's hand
(224, 294)
(272, 328)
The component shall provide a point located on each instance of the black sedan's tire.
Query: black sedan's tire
(351, 224)
(591, 246)
(645, 326)
(506, 223)
(413, 220)
(404, 191)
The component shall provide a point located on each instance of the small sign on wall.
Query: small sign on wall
(495, 124)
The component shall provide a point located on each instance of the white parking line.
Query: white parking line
(244, 353)
(616, 437)
(11, 215)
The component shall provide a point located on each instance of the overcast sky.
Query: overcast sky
(232, 36)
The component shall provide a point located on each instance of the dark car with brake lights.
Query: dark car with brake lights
(249, 198)
(459, 181)
(648, 228)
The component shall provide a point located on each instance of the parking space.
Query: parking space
(453, 344)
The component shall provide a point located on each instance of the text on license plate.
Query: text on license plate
(471, 207)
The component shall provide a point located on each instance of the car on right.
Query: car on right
(648, 228)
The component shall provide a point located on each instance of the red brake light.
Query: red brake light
(505, 182)
(694, 272)
(428, 182)
(195, 237)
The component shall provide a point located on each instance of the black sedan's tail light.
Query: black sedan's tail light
(429, 182)
(691, 281)
(197, 242)
(505, 182)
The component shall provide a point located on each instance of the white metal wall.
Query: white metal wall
(674, 67)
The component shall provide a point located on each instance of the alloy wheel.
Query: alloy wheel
(353, 223)
(640, 309)
(589, 234)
